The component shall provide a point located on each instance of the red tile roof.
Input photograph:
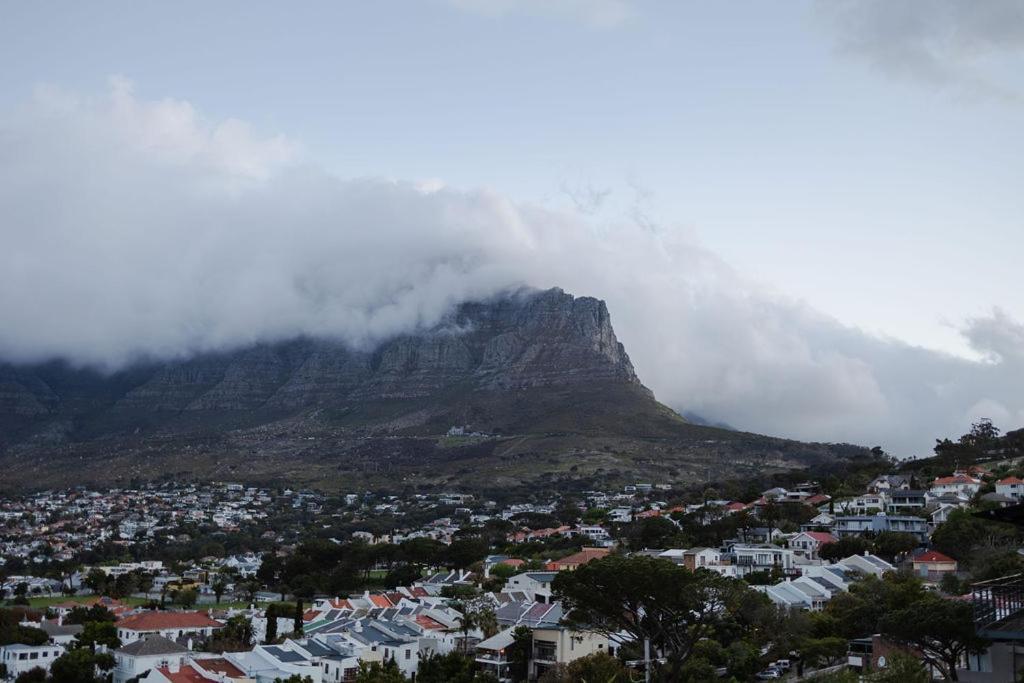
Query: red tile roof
(340, 603)
(221, 666)
(822, 537)
(419, 592)
(310, 615)
(158, 621)
(1010, 480)
(184, 675)
(933, 556)
(957, 479)
(380, 600)
(429, 623)
(576, 559)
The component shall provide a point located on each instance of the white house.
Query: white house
(958, 483)
(144, 654)
(1011, 487)
(536, 584)
(808, 543)
(171, 625)
(19, 658)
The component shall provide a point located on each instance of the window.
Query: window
(408, 654)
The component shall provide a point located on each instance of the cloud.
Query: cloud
(140, 228)
(601, 14)
(956, 45)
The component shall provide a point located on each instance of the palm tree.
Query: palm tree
(467, 622)
(487, 620)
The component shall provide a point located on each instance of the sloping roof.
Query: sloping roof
(933, 556)
(956, 479)
(221, 666)
(1010, 480)
(380, 600)
(821, 537)
(153, 645)
(582, 557)
(158, 621)
(184, 675)
(499, 641)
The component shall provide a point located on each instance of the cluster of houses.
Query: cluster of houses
(404, 625)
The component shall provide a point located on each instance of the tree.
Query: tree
(185, 598)
(271, 615)
(901, 668)
(519, 653)
(844, 547)
(79, 666)
(96, 580)
(450, 668)
(219, 586)
(98, 633)
(941, 630)
(653, 532)
(487, 621)
(294, 678)
(83, 615)
(375, 672)
(599, 667)
(892, 544)
(36, 675)
(236, 635)
(649, 599)
(467, 622)
(297, 619)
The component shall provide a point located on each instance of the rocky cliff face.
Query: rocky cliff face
(522, 341)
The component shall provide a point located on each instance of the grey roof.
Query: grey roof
(153, 645)
(284, 655)
(52, 628)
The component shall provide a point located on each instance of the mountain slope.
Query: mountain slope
(540, 375)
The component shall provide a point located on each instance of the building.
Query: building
(492, 654)
(858, 525)
(535, 584)
(933, 565)
(807, 543)
(698, 558)
(557, 645)
(902, 501)
(19, 658)
(1011, 487)
(170, 625)
(576, 560)
(146, 653)
(958, 483)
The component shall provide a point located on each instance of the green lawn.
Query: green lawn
(49, 602)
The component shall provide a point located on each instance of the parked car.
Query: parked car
(769, 674)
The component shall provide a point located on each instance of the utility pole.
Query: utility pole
(647, 660)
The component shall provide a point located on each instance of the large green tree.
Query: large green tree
(942, 630)
(649, 599)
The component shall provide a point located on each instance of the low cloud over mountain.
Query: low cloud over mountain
(136, 228)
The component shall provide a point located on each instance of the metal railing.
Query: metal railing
(999, 607)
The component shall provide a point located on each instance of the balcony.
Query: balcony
(544, 651)
(999, 608)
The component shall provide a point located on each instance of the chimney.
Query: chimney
(189, 646)
(60, 620)
(174, 666)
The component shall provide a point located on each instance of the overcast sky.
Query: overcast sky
(806, 218)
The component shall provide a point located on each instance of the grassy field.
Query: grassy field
(51, 601)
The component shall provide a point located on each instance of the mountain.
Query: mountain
(535, 384)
